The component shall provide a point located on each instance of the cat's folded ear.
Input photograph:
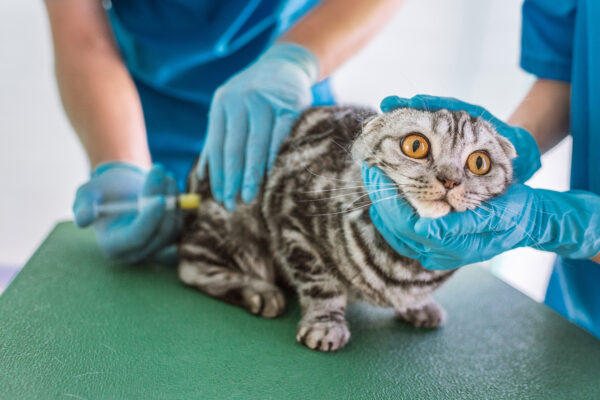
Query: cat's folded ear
(372, 123)
(508, 147)
(361, 147)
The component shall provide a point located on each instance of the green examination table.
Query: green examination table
(74, 325)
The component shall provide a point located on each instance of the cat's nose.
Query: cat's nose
(448, 183)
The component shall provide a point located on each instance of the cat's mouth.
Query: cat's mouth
(432, 208)
(443, 202)
(444, 199)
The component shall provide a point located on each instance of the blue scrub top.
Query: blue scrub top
(180, 51)
(561, 41)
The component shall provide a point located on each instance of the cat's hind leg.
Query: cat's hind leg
(226, 259)
(257, 296)
(428, 315)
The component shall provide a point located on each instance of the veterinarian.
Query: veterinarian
(561, 46)
(154, 81)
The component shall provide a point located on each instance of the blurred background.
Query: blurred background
(462, 48)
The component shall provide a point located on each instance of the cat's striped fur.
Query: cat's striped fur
(310, 227)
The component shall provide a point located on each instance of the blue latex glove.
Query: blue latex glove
(249, 117)
(528, 160)
(129, 237)
(566, 223)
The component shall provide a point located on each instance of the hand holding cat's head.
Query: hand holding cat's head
(440, 161)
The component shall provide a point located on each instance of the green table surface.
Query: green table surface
(76, 325)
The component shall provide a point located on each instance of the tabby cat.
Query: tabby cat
(310, 227)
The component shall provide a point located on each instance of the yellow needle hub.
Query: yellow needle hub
(189, 201)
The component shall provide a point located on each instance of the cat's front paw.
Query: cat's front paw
(323, 336)
(430, 315)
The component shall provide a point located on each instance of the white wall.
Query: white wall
(41, 163)
(462, 48)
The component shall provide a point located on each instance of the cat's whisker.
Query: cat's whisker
(536, 209)
(489, 223)
(349, 188)
(355, 208)
(344, 195)
(535, 243)
(345, 149)
(365, 195)
(331, 178)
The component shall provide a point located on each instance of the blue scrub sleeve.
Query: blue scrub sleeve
(547, 38)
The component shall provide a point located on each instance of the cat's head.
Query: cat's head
(440, 161)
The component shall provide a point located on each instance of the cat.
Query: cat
(310, 227)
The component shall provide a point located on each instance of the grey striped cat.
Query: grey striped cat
(309, 227)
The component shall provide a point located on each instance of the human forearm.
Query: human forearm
(104, 110)
(544, 112)
(96, 89)
(337, 29)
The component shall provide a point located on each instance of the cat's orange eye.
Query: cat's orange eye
(479, 163)
(415, 146)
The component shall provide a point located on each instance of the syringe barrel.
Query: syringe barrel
(131, 206)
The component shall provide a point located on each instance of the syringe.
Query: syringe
(186, 201)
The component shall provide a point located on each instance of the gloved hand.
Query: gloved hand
(249, 117)
(129, 237)
(566, 223)
(528, 160)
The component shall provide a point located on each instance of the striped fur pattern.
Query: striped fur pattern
(309, 227)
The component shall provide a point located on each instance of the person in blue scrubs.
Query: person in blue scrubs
(149, 85)
(561, 46)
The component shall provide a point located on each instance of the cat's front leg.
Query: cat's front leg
(323, 325)
(322, 296)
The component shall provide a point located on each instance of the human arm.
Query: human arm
(102, 103)
(335, 30)
(254, 111)
(97, 92)
(544, 112)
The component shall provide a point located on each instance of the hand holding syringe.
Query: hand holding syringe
(186, 201)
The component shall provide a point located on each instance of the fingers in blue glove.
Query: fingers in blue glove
(156, 181)
(169, 225)
(407, 248)
(283, 127)
(170, 222)
(400, 217)
(234, 151)
(215, 140)
(128, 238)
(380, 185)
(385, 197)
(261, 126)
(83, 207)
(434, 103)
